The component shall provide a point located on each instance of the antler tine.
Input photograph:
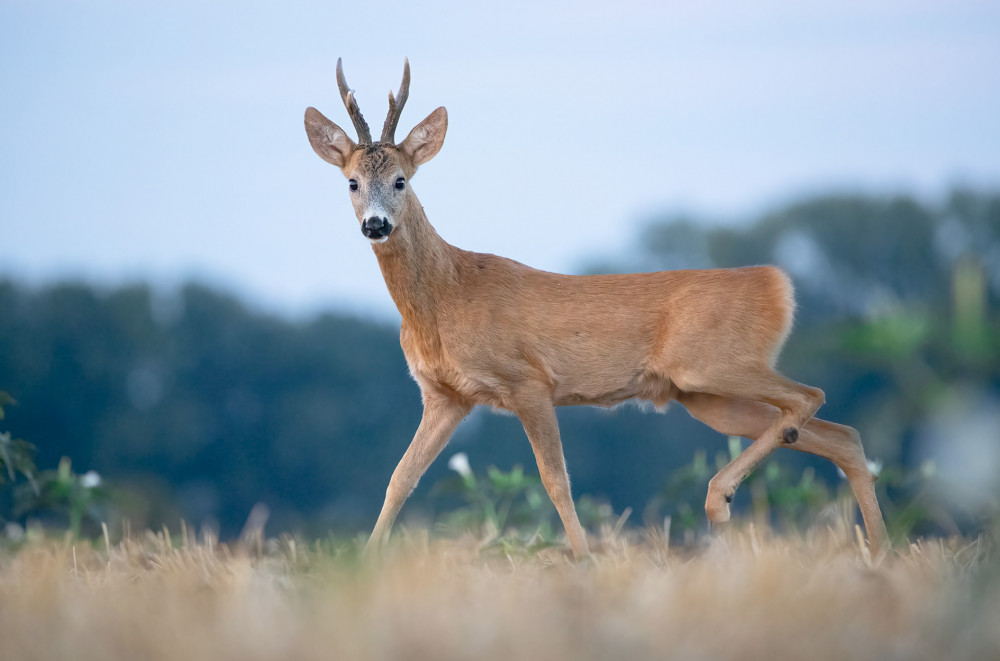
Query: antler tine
(396, 106)
(347, 94)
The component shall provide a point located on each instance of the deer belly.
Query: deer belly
(598, 391)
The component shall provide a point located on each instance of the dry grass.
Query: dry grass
(745, 596)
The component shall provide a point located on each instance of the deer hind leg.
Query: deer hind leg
(842, 445)
(791, 406)
(539, 420)
(838, 443)
(441, 416)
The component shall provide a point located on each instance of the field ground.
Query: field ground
(746, 595)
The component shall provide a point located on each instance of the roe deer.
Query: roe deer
(483, 329)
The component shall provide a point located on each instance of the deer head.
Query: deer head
(378, 173)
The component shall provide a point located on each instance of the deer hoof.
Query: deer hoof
(790, 434)
(717, 508)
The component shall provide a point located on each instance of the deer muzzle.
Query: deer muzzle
(376, 228)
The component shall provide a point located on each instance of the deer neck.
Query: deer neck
(418, 267)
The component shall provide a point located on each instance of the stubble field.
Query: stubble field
(744, 595)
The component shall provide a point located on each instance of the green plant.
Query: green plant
(60, 492)
(496, 504)
(78, 497)
(16, 458)
(778, 494)
(510, 510)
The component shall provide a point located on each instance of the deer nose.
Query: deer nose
(376, 227)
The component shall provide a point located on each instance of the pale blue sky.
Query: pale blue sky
(164, 140)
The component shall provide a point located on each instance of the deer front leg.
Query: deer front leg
(540, 424)
(441, 416)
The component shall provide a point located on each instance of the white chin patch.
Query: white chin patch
(381, 239)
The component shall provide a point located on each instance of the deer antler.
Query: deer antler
(396, 106)
(364, 135)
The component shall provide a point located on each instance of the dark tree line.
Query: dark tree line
(197, 406)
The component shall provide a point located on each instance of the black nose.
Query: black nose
(375, 227)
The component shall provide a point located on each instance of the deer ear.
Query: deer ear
(426, 138)
(327, 139)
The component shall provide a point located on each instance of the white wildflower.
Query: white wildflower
(459, 463)
(90, 479)
(874, 467)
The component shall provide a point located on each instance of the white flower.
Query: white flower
(459, 463)
(90, 479)
(874, 467)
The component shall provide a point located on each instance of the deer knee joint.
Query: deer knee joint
(817, 396)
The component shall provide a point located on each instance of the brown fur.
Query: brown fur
(482, 329)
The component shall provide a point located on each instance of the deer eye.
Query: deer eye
(353, 185)
(400, 184)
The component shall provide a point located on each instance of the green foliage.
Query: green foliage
(889, 338)
(793, 499)
(790, 498)
(784, 496)
(496, 503)
(508, 509)
(59, 492)
(683, 494)
(16, 455)
(80, 498)
(16, 458)
(513, 514)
